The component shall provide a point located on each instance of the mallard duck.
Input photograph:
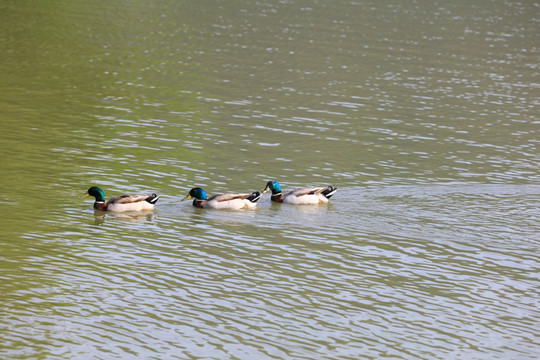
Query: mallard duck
(301, 196)
(223, 201)
(123, 202)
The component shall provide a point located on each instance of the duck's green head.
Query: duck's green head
(273, 186)
(196, 193)
(95, 192)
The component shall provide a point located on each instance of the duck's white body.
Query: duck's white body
(223, 201)
(122, 203)
(305, 196)
(130, 203)
(300, 196)
(229, 201)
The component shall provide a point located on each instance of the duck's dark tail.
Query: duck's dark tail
(329, 192)
(254, 197)
(152, 199)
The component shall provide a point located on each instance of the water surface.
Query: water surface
(424, 115)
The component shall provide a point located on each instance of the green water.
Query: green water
(423, 114)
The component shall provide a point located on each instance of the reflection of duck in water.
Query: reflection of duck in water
(302, 196)
(133, 216)
(123, 202)
(223, 201)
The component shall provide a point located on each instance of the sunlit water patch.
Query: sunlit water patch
(370, 270)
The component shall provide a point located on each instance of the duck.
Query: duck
(122, 203)
(300, 196)
(222, 201)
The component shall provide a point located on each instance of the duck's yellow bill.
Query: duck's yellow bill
(86, 195)
(186, 198)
